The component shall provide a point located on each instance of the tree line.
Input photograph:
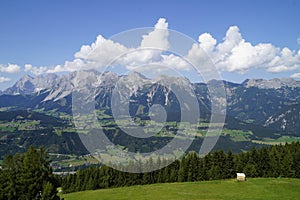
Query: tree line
(28, 176)
(273, 161)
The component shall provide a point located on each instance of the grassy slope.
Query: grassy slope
(228, 189)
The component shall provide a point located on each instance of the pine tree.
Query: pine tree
(296, 161)
(49, 192)
(215, 173)
(287, 164)
(181, 171)
(250, 170)
(192, 166)
(27, 175)
(275, 161)
(229, 166)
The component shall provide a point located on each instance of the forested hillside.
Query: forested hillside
(275, 161)
(28, 176)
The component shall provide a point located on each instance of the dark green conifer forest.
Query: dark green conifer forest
(28, 176)
(274, 161)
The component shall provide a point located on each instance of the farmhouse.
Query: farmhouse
(240, 177)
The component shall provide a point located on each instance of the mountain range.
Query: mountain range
(269, 103)
(266, 108)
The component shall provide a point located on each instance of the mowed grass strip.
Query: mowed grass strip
(258, 188)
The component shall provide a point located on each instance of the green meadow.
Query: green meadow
(254, 188)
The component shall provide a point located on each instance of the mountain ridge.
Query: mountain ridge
(254, 112)
(254, 100)
(29, 84)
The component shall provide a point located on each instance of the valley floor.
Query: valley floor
(253, 188)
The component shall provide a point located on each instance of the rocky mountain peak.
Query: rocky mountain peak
(29, 84)
(275, 83)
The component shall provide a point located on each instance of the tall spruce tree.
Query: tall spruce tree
(27, 175)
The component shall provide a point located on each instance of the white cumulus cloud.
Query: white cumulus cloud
(295, 75)
(10, 68)
(103, 52)
(151, 48)
(95, 56)
(158, 38)
(35, 70)
(207, 42)
(235, 54)
(4, 79)
(232, 54)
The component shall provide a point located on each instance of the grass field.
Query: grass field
(224, 189)
(282, 140)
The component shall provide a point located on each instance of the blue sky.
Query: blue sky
(48, 33)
